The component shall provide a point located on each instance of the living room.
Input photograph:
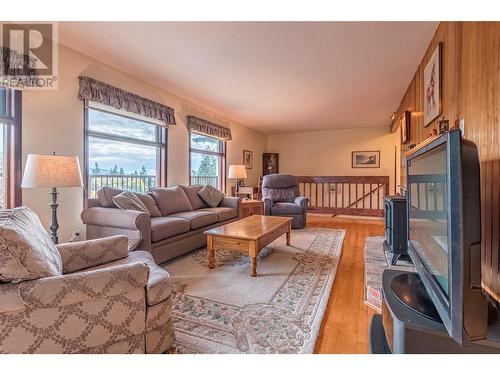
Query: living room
(249, 187)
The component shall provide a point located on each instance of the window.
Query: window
(207, 160)
(10, 148)
(123, 152)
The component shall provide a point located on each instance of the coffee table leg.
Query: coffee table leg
(210, 249)
(252, 253)
(253, 266)
(288, 233)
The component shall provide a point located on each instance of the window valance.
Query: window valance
(199, 125)
(100, 92)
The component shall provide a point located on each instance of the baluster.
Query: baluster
(435, 196)
(371, 193)
(349, 199)
(329, 195)
(336, 194)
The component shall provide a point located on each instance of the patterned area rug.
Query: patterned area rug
(224, 310)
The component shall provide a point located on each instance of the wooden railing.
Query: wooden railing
(130, 182)
(345, 195)
(205, 180)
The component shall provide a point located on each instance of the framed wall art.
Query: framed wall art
(247, 159)
(366, 159)
(432, 87)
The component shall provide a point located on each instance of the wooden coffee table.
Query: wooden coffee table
(248, 236)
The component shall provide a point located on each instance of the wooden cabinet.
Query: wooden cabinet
(270, 163)
(251, 207)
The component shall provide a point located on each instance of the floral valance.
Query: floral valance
(100, 92)
(199, 125)
(14, 64)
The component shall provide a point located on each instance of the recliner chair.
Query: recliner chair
(280, 193)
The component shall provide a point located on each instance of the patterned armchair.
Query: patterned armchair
(96, 298)
(280, 193)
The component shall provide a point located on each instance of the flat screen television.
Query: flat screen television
(444, 231)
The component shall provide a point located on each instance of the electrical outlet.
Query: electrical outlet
(76, 233)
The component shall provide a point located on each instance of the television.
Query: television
(444, 231)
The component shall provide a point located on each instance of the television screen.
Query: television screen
(428, 216)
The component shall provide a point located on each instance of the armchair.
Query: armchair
(281, 198)
(105, 301)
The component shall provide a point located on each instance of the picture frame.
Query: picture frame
(248, 159)
(405, 127)
(432, 86)
(443, 126)
(365, 159)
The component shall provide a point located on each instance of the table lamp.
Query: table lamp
(52, 171)
(238, 172)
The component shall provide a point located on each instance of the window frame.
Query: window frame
(13, 136)
(161, 143)
(221, 154)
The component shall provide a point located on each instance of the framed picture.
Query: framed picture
(405, 127)
(248, 159)
(432, 87)
(366, 159)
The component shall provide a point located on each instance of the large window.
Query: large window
(10, 148)
(124, 152)
(206, 161)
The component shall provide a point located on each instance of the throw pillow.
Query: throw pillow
(211, 195)
(26, 250)
(194, 198)
(171, 200)
(106, 194)
(127, 200)
(150, 203)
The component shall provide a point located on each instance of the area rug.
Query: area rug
(376, 261)
(224, 310)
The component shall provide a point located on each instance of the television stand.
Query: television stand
(400, 329)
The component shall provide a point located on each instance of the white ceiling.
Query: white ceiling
(272, 76)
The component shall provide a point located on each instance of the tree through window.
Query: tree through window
(207, 158)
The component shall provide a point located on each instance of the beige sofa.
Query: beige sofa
(178, 217)
(83, 297)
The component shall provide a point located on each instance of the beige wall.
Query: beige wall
(53, 121)
(328, 153)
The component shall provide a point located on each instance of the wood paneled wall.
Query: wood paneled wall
(470, 91)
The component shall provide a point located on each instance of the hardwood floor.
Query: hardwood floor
(345, 326)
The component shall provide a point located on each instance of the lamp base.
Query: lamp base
(54, 225)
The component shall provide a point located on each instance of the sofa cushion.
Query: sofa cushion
(106, 194)
(26, 250)
(127, 200)
(198, 218)
(159, 285)
(171, 200)
(194, 198)
(286, 208)
(150, 203)
(168, 226)
(211, 195)
(223, 213)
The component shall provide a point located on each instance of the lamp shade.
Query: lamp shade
(51, 171)
(237, 171)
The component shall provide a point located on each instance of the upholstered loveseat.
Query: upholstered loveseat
(174, 225)
(83, 297)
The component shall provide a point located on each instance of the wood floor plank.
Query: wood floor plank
(345, 326)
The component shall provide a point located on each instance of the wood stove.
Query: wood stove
(396, 227)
